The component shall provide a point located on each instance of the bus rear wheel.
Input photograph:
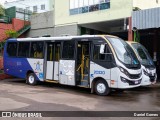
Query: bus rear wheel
(31, 79)
(101, 88)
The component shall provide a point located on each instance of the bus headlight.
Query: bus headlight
(145, 72)
(124, 71)
(123, 79)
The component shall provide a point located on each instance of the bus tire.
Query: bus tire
(31, 80)
(101, 88)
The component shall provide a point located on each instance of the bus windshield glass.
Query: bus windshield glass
(142, 52)
(124, 52)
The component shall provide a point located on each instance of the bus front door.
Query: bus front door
(52, 63)
(82, 64)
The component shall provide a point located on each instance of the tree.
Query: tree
(2, 10)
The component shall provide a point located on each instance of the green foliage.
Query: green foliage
(2, 10)
(12, 33)
(34, 13)
(136, 36)
(136, 9)
(1, 47)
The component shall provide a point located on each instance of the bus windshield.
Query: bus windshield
(124, 52)
(142, 52)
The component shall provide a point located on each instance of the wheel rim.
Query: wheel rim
(101, 88)
(31, 79)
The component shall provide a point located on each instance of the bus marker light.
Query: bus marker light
(112, 82)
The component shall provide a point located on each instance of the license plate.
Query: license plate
(136, 82)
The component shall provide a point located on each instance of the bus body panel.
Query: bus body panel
(97, 71)
(114, 77)
(37, 67)
(49, 70)
(56, 71)
(19, 67)
(129, 83)
(16, 66)
(145, 79)
(67, 72)
(117, 75)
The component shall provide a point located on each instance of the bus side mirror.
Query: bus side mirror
(102, 48)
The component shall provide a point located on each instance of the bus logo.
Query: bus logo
(38, 66)
(99, 72)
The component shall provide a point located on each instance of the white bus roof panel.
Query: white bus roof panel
(55, 38)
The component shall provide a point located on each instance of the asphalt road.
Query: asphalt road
(16, 95)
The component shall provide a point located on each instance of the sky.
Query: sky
(2, 1)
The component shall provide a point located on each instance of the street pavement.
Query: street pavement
(16, 95)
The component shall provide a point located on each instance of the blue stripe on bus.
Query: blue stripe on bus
(18, 67)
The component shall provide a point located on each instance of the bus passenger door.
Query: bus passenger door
(82, 64)
(53, 56)
(67, 64)
(56, 58)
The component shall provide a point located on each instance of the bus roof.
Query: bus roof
(57, 38)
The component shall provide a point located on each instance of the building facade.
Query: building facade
(97, 16)
(147, 23)
(36, 6)
(78, 17)
(146, 4)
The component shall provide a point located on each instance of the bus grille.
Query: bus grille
(134, 76)
(134, 82)
(152, 78)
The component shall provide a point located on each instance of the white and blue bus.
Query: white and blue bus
(98, 62)
(148, 68)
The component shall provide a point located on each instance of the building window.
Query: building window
(43, 7)
(34, 8)
(84, 6)
(27, 8)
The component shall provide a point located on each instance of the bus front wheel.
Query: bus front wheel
(101, 88)
(31, 79)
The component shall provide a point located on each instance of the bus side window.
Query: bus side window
(57, 52)
(68, 50)
(23, 49)
(50, 50)
(96, 53)
(37, 49)
(107, 56)
(12, 49)
(108, 53)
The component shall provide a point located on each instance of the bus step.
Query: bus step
(85, 77)
(52, 81)
(84, 80)
(83, 86)
(85, 74)
(84, 83)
